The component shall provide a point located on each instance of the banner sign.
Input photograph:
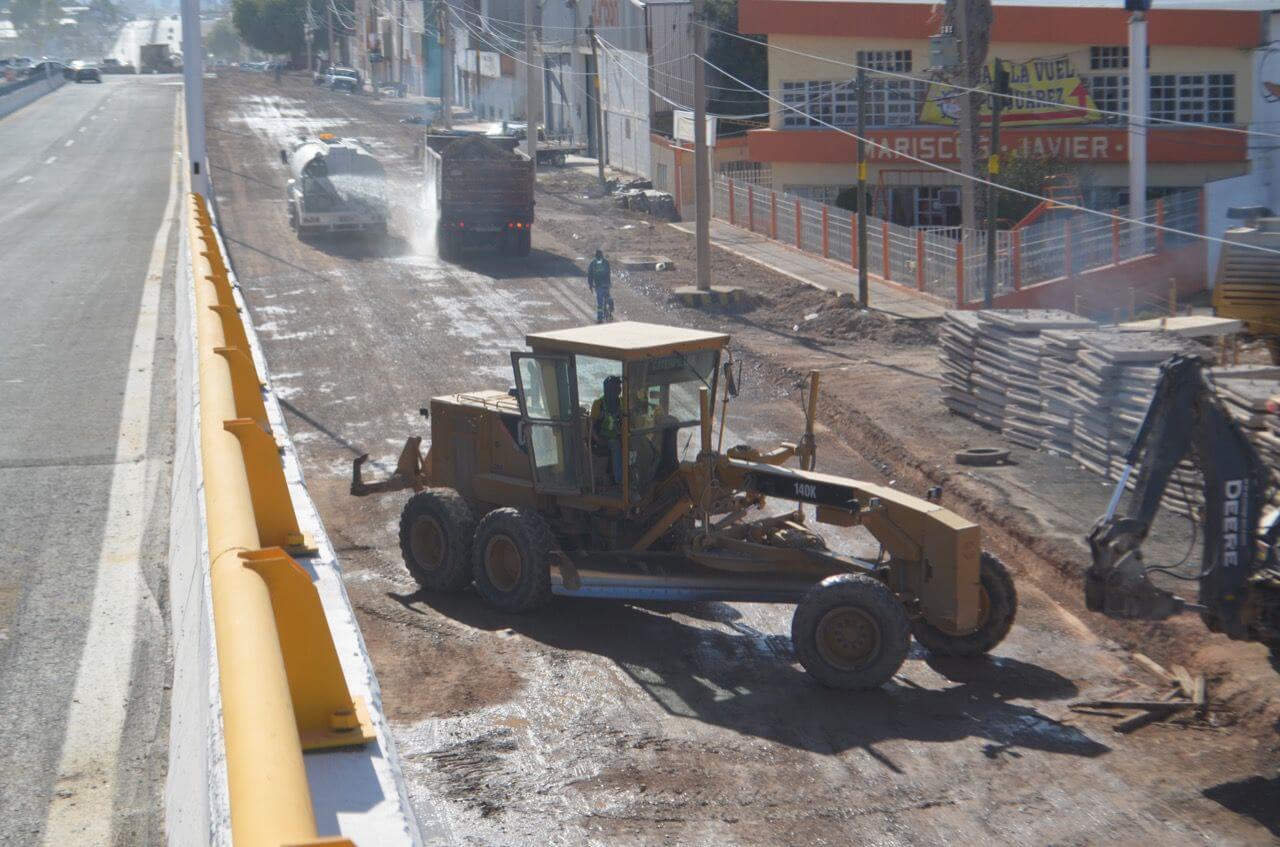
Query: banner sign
(1040, 89)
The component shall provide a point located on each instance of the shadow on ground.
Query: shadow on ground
(748, 682)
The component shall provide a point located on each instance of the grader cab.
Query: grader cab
(596, 476)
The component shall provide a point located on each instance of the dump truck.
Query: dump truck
(480, 192)
(595, 476)
(338, 186)
(156, 59)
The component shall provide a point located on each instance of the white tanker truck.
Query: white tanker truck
(337, 187)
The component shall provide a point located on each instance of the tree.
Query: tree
(272, 26)
(745, 60)
(223, 41)
(1026, 172)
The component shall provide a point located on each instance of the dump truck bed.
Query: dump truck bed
(475, 179)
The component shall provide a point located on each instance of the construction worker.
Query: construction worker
(598, 281)
(606, 423)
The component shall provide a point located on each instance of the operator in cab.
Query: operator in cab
(606, 425)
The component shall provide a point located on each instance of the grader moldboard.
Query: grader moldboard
(525, 495)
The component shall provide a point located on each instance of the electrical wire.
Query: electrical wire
(981, 181)
(1129, 116)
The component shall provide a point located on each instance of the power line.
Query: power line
(984, 91)
(979, 180)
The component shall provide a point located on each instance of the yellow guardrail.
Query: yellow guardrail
(283, 690)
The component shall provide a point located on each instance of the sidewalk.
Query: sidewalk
(893, 300)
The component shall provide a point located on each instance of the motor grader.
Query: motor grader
(527, 494)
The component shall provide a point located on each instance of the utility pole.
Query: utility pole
(864, 284)
(701, 167)
(1000, 85)
(971, 22)
(328, 21)
(307, 27)
(446, 66)
(532, 86)
(597, 111)
(1139, 104)
(193, 95)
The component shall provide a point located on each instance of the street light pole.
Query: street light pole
(446, 66)
(532, 87)
(701, 167)
(193, 95)
(1138, 106)
(1000, 86)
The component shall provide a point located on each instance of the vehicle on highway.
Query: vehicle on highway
(157, 59)
(337, 187)
(47, 67)
(86, 72)
(575, 483)
(481, 190)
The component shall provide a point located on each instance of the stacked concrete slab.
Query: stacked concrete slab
(1058, 404)
(1246, 392)
(958, 339)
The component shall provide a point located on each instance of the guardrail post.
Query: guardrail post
(1160, 224)
(1016, 259)
(773, 214)
(826, 239)
(245, 386)
(884, 249)
(1066, 249)
(751, 207)
(960, 294)
(799, 225)
(919, 260)
(272, 507)
(732, 216)
(1115, 237)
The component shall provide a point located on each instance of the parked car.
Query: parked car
(344, 79)
(88, 73)
(47, 67)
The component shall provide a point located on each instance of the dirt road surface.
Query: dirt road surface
(611, 723)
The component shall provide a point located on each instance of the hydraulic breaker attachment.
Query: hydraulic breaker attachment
(410, 472)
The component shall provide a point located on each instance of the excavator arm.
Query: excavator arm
(1185, 420)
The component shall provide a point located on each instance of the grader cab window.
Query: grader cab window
(663, 399)
(548, 406)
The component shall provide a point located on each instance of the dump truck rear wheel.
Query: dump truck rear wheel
(851, 632)
(997, 607)
(436, 527)
(511, 557)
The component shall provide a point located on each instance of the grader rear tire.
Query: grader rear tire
(511, 557)
(436, 527)
(851, 632)
(997, 607)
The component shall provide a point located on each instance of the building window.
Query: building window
(825, 194)
(893, 61)
(1108, 58)
(810, 101)
(890, 102)
(1110, 93)
(1196, 98)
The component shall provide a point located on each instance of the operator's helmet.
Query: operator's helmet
(612, 385)
(599, 254)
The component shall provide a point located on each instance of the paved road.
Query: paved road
(86, 419)
(137, 33)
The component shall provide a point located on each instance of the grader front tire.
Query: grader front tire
(997, 607)
(851, 632)
(436, 527)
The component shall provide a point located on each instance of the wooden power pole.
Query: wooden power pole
(701, 166)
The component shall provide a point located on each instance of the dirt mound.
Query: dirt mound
(818, 313)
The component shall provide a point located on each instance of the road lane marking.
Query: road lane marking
(24, 179)
(70, 141)
(51, 160)
(82, 129)
(80, 810)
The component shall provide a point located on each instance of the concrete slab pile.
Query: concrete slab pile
(1058, 404)
(1246, 392)
(959, 337)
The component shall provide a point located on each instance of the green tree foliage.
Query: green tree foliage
(272, 26)
(747, 61)
(1026, 173)
(223, 41)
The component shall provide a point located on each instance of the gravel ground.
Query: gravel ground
(610, 723)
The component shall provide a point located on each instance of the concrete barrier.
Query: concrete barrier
(355, 792)
(14, 98)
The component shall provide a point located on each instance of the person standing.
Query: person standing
(598, 280)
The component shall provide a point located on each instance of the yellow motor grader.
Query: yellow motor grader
(595, 476)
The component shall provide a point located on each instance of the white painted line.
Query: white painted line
(13, 381)
(80, 811)
(70, 141)
(24, 179)
(51, 160)
(82, 129)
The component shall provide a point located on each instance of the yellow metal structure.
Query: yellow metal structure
(1248, 282)
(282, 686)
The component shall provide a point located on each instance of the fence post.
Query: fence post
(884, 249)
(773, 214)
(826, 240)
(960, 298)
(919, 260)
(1016, 259)
(1066, 249)
(733, 219)
(1160, 224)
(679, 190)
(1115, 236)
(799, 225)
(1200, 205)
(853, 238)
(751, 207)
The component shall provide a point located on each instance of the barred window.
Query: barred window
(893, 61)
(890, 102)
(1196, 98)
(1108, 58)
(1110, 93)
(1164, 96)
(810, 101)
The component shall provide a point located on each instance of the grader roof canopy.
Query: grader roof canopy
(626, 340)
